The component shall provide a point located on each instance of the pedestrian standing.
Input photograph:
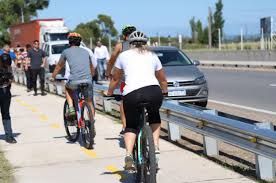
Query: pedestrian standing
(5, 94)
(102, 56)
(27, 67)
(37, 60)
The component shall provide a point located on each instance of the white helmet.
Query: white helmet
(137, 36)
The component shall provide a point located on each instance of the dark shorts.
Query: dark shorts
(152, 95)
(75, 86)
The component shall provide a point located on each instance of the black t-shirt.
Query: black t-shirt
(36, 58)
(5, 70)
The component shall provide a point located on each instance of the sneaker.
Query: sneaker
(29, 90)
(129, 163)
(43, 94)
(157, 157)
(35, 94)
(10, 140)
(122, 132)
(71, 113)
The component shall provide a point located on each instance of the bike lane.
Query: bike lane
(43, 154)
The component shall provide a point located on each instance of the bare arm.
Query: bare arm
(92, 69)
(161, 77)
(59, 66)
(117, 76)
(113, 58)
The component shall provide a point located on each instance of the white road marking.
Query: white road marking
(273, 85)
(243, 107)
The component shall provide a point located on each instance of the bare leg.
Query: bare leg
(69, 99)
(129, 142)
(156, 127)
(123, 117)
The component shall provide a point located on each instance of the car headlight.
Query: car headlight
(200, 80)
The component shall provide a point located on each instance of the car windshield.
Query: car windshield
(58, 49)
(58, 36)
(172, 58)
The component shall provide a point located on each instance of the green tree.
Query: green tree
(98, 29)
(89, 30)
(11, 11)
(218, 23)
(199, 31)
(193, 28)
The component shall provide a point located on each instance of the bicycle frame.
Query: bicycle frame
(78, 103)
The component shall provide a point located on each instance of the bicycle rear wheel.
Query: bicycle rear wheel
(148, 167)
(88, 131)
(71, 125)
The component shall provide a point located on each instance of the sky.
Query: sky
(164, 17)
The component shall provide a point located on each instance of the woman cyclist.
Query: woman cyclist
(143, 78)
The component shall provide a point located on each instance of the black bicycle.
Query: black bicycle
(144, 148)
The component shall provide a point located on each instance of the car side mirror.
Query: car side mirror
(196, 62)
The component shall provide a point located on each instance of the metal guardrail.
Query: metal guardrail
(259, 138)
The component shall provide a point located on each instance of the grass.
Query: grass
(5, 170)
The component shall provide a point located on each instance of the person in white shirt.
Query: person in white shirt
(145, 82)
(102, 56)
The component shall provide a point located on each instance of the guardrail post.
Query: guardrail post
(210, 144)
(265, 167)
(174, 131)
(59, 87)
(107, 105)
(52, 87)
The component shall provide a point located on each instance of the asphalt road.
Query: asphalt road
(253, 89)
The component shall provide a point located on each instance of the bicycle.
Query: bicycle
(83, 123)
(144, 148)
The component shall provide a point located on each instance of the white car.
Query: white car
(53, 51)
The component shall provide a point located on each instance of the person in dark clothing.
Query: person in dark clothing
(6, 78)
(38, 58)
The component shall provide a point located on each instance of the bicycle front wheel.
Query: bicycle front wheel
(148, 153)
(88, 131)
(70, 125)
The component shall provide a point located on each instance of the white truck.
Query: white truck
(43, 30)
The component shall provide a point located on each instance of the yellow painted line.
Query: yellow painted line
(43, 117)
(55, 125)
(114, 170)
(89, 153)
(33, 109)
(18, 100)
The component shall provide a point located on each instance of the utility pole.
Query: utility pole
(219, 34)
(22, 15)
(262, 39)
(210, 27)
(180, 41)
(241, 39)
(91, 43)
(159, 41)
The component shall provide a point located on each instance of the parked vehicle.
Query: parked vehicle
(185, 81)
(53, 50)
(44, 30)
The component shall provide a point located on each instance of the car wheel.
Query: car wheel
(201, 104)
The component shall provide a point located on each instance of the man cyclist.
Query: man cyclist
(139, 88)
(81, 70)
(119, 48)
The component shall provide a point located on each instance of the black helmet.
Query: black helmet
(128, 29)
(74, 38)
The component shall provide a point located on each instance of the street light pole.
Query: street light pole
(22, 14)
